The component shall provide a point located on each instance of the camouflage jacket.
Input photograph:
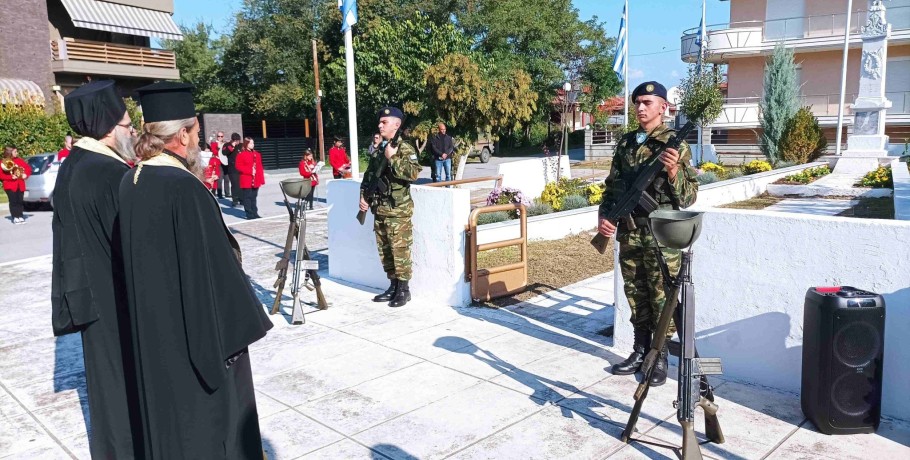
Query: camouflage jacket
(403, 169)
(626, 165)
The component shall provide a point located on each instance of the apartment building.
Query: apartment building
(814, 29)
(50, 47)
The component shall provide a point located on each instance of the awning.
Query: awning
(15, 91)
(111, 17)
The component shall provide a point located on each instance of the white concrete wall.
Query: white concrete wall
(546, 227)
(751, 273)
(530, 176)
(743, 188)
(901, 190)
(440, 215)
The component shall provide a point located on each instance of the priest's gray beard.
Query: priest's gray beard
(124, 145)
(194, 161)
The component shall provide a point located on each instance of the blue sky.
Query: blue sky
(655, 27)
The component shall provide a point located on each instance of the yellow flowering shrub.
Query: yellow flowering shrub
(879, 178)
(713, 167)
(756, 166)
(595, 193)
(552, 195)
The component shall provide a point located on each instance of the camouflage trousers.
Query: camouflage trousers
(642, 280)
(394, 236)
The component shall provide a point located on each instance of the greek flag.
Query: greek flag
(622, 48)
(348, 13)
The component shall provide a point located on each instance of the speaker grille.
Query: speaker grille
(853, 394)
(857, 344)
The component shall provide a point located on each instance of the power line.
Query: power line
(656, 52)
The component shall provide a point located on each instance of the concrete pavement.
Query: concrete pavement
(360, 380)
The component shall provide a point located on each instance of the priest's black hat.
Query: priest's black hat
(94, 109)
(167, 100)
(649, 88)
(391, 112)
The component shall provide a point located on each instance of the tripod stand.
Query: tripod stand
(678, 230)
(297, 188)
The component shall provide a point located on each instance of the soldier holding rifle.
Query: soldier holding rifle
(386, 191)
(675, 187)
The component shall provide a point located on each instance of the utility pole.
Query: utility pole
(318, 105)
(843, 82)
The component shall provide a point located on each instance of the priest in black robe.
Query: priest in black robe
(192, 309)
(87, 287)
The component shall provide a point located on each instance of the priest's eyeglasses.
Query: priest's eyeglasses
(128, 126)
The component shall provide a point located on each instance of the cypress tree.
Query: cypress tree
(780, 101)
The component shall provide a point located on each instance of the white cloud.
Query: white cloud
(674, 74)
(636, 73)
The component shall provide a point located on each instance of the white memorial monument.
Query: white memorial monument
(868, 142)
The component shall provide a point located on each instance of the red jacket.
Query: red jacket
(16, 185)
(308, 171)
(213, 169)
(338, 158)
(245, 162)
(63, 153)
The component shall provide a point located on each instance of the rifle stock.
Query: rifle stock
(361, 217)
(282, 266)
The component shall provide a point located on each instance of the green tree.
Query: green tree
(780, 101)
(701, 99)
(200, 60)
(803, 140)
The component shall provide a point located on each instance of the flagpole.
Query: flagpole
(617, 277)
(701, 53)
(349, 67)
(843, 82)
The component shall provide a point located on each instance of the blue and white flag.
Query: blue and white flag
(348, 13)
(702, 32)
(622, 48)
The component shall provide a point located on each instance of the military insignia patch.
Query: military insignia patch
(386, 111)
(649, 88)
(641, 137)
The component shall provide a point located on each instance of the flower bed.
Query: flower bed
(805, 177)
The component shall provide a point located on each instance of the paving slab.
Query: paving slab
(816, 207)
(22, 434)
(345, 449)
(361, 407)
(446, 426)
(290, 434)
(438, 340)
(9, 407)
(891, 441)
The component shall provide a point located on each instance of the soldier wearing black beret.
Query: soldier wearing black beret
(674, 188)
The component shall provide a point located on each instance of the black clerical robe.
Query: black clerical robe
(87, 290)
(193, 314)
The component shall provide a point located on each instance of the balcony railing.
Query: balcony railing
(741, 111)
(111, 53)
(755, 35)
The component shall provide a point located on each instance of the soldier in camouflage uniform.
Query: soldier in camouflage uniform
(675, 187)
(393, 210)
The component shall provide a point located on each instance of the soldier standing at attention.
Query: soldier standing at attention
(393, 210)
(675, 187)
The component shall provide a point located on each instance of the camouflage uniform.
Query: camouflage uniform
(394, 233)
(642, 280)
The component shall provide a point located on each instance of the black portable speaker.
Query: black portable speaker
(843, 350)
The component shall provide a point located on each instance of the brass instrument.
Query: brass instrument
(10, 167)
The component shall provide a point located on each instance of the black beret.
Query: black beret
(391, 112)
(167, 100)
(94, 109)
(649, 88)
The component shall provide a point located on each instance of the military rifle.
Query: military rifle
(678, 230)
(378, 185)
(637, 196)
(296, 228)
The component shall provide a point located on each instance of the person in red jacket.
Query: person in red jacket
(212, 173)
(308, 170)
(13, 172)
(338, 158)
(249, 167)
(67, 146)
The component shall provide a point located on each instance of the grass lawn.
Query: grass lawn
(551, 265)
(760, 202)
(3, 198)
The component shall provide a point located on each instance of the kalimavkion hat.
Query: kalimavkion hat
(167, 100)
(94, 109)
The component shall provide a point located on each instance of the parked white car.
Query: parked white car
(40, 185)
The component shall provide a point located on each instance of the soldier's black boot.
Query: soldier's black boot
(402, 295)
(659, 375)
(639, 349)
(389, 293)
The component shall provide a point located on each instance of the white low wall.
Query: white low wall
(438, 252)
(743, 188)
(901, 190)
(530, 176)
(751, 273)
(546, 227)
